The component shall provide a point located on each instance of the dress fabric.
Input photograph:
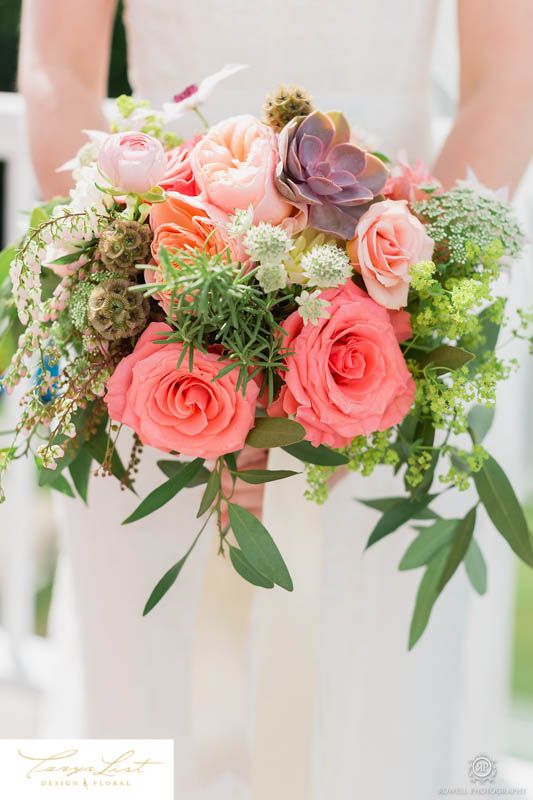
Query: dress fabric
(309, 696)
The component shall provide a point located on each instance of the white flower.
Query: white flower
(272, 277)
(267, 244)
(87, 154)
(312, 308)
(240, 222)
(472, 182)
(86, 195)
(326, 265)
(194, 95)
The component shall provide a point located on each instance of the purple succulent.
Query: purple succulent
(320, 168)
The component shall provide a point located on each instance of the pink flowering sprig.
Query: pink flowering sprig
(25, 272)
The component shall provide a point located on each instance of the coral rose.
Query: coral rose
(179, 176)
(346, 376)
(388, 240)
(171, 408)
(234, 167)
(132, 162)
(178, 224)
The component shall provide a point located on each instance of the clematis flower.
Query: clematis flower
(322, 170)
(195, 94)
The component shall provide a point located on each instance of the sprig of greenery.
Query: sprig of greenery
(216, 301)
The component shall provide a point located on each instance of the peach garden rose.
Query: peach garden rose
(388, 241)
(179, 224)
(346, 376)
(173, 409)
(234, 166)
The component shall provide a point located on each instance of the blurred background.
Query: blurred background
(27, 541)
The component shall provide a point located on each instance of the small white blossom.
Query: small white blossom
(86, 194)
(48, 455)
(272, 277)
(240, 222)
(311, 308)
(326, 265)
(267, 244)
(194, 95)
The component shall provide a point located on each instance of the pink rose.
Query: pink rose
(132, 162)
(234, 167)
(346, 376)
(173, 409)
(178, 176)
(405, 181)
(388, 240)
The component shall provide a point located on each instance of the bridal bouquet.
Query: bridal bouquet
(267, 283)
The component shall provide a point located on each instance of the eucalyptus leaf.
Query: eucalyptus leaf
(62, 485)
(258, 476)
(321, 455)
(429, 541)
(165, 492)
(275, 432)
(476, 567)
(384, 503)
(397, 515)
(211, 492)
(171, 468)
(446, 357)
(427, 594)
(80, 472)
(168, 580)
(460, 543)
(246, 571)
(504, 509)
(480, 420)
(258, 547)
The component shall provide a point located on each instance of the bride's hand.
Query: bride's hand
(249, 496)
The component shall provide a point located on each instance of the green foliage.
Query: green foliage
(275, 432)
(214, 301)
(504, 509)
(258, 547)
(165, 492)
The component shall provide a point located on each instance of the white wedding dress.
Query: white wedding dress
(309, 696)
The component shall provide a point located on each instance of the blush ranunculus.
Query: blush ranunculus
(173, 409)
(179, 176)
(234, 167)
(132, 162)
(178, 224)
(346, 376)
(388, 240)
(406, 181)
